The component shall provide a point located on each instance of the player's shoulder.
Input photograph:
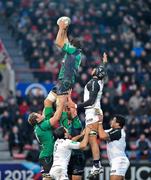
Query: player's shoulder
(93, 81)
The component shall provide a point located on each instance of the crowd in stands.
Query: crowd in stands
(122, 29)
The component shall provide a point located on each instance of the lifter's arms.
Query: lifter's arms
(62, 38)
(85, 140)
(57, 115)
(81, 135)
(102, 134)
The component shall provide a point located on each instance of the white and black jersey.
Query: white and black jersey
(92, 100)
(116, 152)
(116, 144)
(62, 151)
(92, 94)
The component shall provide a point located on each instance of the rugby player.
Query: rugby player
(116, 143)
(72, 123)
(70, 63)
(62, 152)
(43, 127)
(92, 105)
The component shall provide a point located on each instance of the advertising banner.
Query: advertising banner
(20, 171)
(136, 171)
(31, 171)
(27, 88)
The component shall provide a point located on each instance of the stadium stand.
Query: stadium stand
(123, 30)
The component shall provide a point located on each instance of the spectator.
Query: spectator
(135, 101)
(15, 140)
(143, 147)
(23, 108)
(6, 123)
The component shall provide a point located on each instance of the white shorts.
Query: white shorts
(52, 96)
(58, 173)
(119, 166)
(91, 116)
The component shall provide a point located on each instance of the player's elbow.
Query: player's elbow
(59, 44)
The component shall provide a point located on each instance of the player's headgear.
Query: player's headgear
(100, 72)
(120, 119)
(32, 119)
(59, 133)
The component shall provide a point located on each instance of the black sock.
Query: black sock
(96, 163)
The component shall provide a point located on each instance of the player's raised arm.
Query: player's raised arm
(105, 59)
(57, 115)
(62, 38)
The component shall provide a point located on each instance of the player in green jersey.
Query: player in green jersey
(71, 60)
(43, 126)
(72, 123)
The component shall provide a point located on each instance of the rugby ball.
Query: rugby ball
(66, 19)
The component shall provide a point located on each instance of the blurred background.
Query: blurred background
(30, 62)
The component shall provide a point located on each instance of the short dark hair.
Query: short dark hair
(76, 42)
(59, 133)
(32, 119)
(120, 119)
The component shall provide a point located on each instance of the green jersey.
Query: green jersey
(71, 127)
(74, 128)
(70, 50)
(48, 112)
(43, 133)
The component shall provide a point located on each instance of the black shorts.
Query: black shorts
(62, 87)
(76, 164)
(46, 164)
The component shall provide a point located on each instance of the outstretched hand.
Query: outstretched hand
(63, 25)
(105, 60)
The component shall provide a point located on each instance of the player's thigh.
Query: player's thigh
(93, 126)
(119, 167)
(50, 99)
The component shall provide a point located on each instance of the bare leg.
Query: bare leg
(94, 147)
(115, 177)
(76, 177)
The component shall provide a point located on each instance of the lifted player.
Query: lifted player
(70, 63)
(92, 97)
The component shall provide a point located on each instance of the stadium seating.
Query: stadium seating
(122, 30)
